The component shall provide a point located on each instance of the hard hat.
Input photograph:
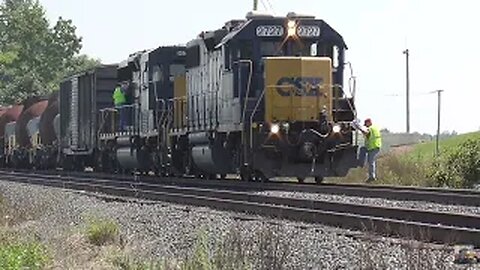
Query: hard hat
(368, 120)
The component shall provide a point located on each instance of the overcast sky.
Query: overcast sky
(441, 35)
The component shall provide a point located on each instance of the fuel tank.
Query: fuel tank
(209, 154)
(133, 158)
(21, 132)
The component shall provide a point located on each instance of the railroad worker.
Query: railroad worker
(373, 143)
(120, 100)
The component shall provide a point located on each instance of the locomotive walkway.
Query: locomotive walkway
(418, 224)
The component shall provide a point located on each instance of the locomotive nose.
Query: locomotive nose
(297, 89)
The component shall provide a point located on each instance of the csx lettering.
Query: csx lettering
(299, 86)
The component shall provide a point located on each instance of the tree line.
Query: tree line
(34, 55)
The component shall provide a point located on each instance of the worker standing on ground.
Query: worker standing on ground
(373, 143)
(119, 99)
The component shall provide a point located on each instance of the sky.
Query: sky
(441, 36)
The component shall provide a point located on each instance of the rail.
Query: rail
(400, 222)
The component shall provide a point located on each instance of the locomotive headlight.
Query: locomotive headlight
(274, 128)
(291, 28)
(336, 128)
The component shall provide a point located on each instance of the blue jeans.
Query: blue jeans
(122, 111)
(370, 157)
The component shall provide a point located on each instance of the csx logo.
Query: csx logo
(299, 86)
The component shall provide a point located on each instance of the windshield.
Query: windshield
(301, 48)
(271, 48)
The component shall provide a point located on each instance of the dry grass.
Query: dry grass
(413, 255)
(392, 169)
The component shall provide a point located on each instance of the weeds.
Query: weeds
(236, 250)
(126, 263)
(101, 232)
(23, 256)
(459, 167)
(16, 252)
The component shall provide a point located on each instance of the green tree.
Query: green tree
(34, 56)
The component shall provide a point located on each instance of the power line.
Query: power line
(271, 6)
(263, 4)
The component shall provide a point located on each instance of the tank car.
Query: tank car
(7, 130)
(265, 98)
(16, 139)
(45, 151)
(26, 135)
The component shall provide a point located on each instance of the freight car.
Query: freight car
(81, 97)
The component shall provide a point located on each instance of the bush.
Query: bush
(459, 167)
(101, 232)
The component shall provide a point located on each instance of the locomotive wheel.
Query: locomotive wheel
(245, 174)
(301, 180)
(319, 179)
(260, 177)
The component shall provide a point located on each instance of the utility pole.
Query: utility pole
(255, 4)
(437, 150)
(407, 55)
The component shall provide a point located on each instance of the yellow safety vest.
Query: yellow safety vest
(119, 97)
(374, 138)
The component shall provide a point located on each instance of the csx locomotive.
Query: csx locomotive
(261, 97)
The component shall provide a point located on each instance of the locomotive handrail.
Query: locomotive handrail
(104, 112)
(352, 81)
(253, 114)
(245, 102)
(159, 118)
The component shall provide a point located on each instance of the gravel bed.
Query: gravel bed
(163, 230)
(460, 209)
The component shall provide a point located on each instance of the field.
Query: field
(458, 164)
(427, 150)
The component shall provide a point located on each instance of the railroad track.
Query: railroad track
(421, 225)
(464, 197)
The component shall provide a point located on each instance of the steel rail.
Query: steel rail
(437, 195)
(420, 225)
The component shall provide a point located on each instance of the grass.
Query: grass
(102, 231)
(427, 150)
(417, 167)
(236, 250)
(28, 255)
(392, 169)
(16, 250)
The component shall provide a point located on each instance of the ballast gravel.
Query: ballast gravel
(448, 207)
(161, 230)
